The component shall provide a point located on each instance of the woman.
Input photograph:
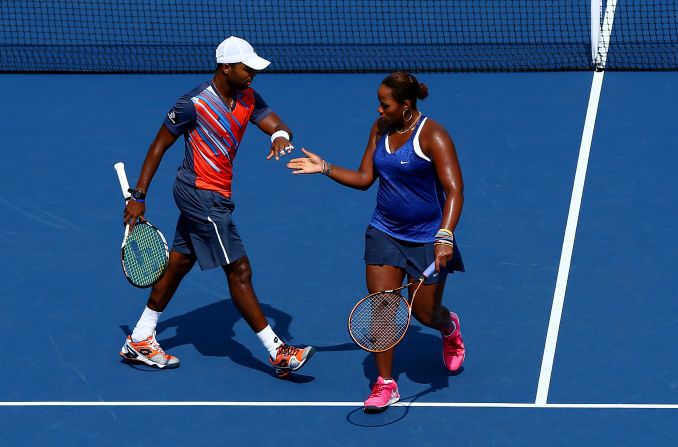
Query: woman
(419, 202)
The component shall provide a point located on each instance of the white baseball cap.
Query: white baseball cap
(234, 50)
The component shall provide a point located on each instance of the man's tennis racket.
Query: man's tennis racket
(144, 254)
(379, 321)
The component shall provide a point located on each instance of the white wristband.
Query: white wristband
(280, 133)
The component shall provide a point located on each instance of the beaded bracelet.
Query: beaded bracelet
(327, 168)
(444, 237)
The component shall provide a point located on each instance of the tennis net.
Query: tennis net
(180, 36)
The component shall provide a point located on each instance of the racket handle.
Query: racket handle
(122, 178)
(431, 268)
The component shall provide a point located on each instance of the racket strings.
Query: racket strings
(379, 321)
(144, 255)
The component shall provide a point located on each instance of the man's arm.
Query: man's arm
(163, 140)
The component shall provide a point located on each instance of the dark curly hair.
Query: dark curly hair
(405, 86)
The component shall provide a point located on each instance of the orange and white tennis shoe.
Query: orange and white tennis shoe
(148, 352)
(453, 346)
(383, 394)
(290, 358)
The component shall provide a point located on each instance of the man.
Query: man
(212, 118)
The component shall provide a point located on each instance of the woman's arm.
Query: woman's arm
(438, 146)
(362, 178)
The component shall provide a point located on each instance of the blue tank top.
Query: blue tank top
(410, 198)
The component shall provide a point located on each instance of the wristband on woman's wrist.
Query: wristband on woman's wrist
(444, 237)
(326, 169)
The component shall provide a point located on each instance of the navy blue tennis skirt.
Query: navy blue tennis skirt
(414, 257)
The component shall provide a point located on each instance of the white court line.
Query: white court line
(575, 205)
(568, 242)
(346, 404)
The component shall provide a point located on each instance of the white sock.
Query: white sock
(146, 325)
(270, 341)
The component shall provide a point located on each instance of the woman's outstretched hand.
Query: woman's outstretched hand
(311, 164)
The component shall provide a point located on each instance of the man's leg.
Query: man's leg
(239, 276)
(163, 291)
(141, 346)
(284, 358)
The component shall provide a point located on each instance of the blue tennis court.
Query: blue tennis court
(567, 304)
(67, 308)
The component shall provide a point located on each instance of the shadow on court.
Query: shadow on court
(392, 415)
(210, 330)
(419, 357)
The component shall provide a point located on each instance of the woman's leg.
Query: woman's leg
(384, 277)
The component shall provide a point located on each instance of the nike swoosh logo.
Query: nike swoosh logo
(403, 162)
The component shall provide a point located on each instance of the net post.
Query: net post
(596, 7)
(605, 35)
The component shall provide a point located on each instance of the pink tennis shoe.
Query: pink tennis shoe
(383, 394)
(453, 347)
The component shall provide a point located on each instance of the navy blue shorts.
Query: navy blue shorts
(414, 257)
(205, 227)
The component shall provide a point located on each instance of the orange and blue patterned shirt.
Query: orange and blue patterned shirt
(212, 133)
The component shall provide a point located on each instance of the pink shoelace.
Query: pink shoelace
(452, 347)
(378, 388)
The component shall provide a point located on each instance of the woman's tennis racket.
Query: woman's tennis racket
(144, 254)
(379, 321)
